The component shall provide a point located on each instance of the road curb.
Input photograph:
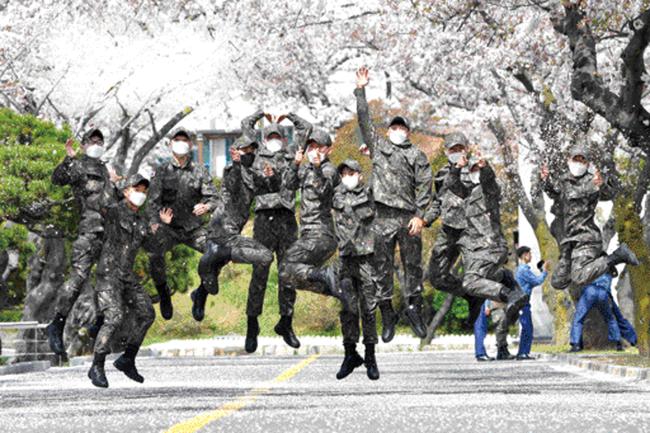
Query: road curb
(24, 367)
(623, 371)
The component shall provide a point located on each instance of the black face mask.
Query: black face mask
(247, 159)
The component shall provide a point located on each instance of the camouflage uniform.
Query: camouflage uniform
(90, 183)
(179, 188)
(482, 243)
(317, 242)
(275, 224)
(118, 288)
(502, 324)
(450, 207)
(581, 244)
(353, 214)
(401, 185)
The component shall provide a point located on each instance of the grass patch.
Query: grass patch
(630, 357)
(4, 360)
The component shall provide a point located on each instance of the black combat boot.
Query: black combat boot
(351, 361)
(199, 297)
(622, 254)
(96, 373)
(166, 307)
(210, 265)
(126, 363)
(284, 328)
(252, 331)
(371, 363)
(415, 319)
(55, 334)
(389, 320)
(503, 354)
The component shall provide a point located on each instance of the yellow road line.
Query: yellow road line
(198, 422)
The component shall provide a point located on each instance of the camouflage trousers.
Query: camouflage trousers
(85, 252)
(362, 282)
(164, 240)
(121, 301)
(483, 272)
(307, 254)
(391, 228)
(579, 265)
(443, 257)
(502, 325)
(277, 230)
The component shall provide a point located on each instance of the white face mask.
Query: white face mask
(577, 169)
(475, 177)
(137, 198)
(180, 147)
(273, 145)
(311, 155)
(397, 136)
(455, 157)
(95, 151)
(350, 182)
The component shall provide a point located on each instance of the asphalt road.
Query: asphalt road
(418, 392)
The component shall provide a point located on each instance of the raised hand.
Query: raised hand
(364, 149)
(112, 174)
(316, 161)
(598, 178)
(268, 170)
(363, 77)
(200, 209)
(68, 148)
(544, 172)
(299, 156)
(462, 162)
(234, 155)
(166, 215)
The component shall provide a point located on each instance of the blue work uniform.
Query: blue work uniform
(596, 294)
(527, 280)
(480, 331)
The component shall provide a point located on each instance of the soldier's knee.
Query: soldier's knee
(113, 317)
(148, 316)
(560, 281)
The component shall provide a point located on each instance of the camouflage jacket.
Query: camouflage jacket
(284, 198)
(353, 213)
(91, 187)
(316, 193)
(482, 211)
(575, 201)
(401, 174)
(124, 232)
(181, 188)
(448, 202)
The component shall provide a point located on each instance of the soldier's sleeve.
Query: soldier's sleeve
(435, 208)
(67, 173)
(264, 184)
(248, 124)
(368, 132)
(154, 200)
(330, 177)
(302, 129)
(609, 189)
(550, 187)
(209, 193)
(423, 185)
(290, 177)
(491, 188)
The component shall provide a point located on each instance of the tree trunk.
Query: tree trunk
(630, 230)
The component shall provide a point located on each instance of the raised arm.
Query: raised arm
(302, 130)
(248, 124)
(368, 132)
